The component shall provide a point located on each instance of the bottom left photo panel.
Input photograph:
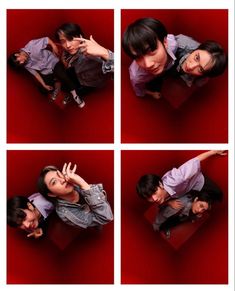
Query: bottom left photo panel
(60, 217)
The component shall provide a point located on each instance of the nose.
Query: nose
(68, 44)
(192, 65)
(26, 224)
(148, 62)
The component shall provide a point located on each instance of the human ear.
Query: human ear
(30, 206)
(165, 42)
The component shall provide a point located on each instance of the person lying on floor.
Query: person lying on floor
(77, 203)
(179, 181)
(189, 207)
(45, 66)
(29, 214)
(88, 63)
(155, 53)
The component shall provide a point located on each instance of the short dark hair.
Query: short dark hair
(142, 35)
(147, 185)
(202, 196)
(15, 213)
(13, 62)
(70, 30)
(42, 187)
(219, 58)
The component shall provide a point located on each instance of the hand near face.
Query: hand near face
(89, 47)
(70, 176)
(175, 204)
(36, 233)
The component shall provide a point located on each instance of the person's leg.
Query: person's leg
(61, 74)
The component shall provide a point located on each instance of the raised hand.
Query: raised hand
(89, 47)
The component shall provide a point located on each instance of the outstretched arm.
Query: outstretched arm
(208, 154)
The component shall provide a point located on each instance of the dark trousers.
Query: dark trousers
(212, 189)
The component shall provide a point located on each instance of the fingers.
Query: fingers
(30, 234)
(64, 169)
(60, 174)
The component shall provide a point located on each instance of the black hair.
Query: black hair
(202, 196)
(70, 30)
(15, 213)
(13, 62)
(142, 35)
(42, 187)
(147, 185)
(218, 55)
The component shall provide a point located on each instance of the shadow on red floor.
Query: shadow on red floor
(146, 258)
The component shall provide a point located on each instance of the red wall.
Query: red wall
(89, 257)
(204, 116)
(146, 257)
(30, 117)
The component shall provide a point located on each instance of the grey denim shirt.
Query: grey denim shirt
(167, 211)
(96, 211)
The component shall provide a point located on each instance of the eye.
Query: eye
(197, 57)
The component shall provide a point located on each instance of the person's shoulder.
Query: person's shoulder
(186, 41)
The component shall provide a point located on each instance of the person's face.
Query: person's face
(197, 63)
(21, 57)
(159, 196)
(70, 46)
(155, 61)
(199, 207)
(57, 185)
(30, 223)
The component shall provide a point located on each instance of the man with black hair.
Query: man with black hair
(179, 181)
(155, 52)
(29, 214)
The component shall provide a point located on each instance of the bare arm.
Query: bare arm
(208, 154)
(40, 80)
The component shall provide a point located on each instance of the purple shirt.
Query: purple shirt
(40, 58)
(44, 206)
(139, 76)
(188, 176)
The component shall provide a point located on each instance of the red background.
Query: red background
(204, 116)
(149, 259)
(30, 117)
(89, 257)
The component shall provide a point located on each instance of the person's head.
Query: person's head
(21, 213)
(209, 60)
(51, 184)
(18, 59)
(145, 41)
(66, 33)
(201, 203)
(150, 187)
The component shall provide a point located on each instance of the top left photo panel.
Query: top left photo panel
(60, 76)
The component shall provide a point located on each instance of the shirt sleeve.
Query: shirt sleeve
(162, 216)
(186, 42)
(95, 197)
(108, 66)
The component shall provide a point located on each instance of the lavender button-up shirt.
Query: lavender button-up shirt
(44, 206)
(40, 58)
(188, 176)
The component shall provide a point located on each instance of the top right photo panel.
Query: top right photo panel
(174, 76)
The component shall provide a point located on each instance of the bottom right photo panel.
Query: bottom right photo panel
(174, 217)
